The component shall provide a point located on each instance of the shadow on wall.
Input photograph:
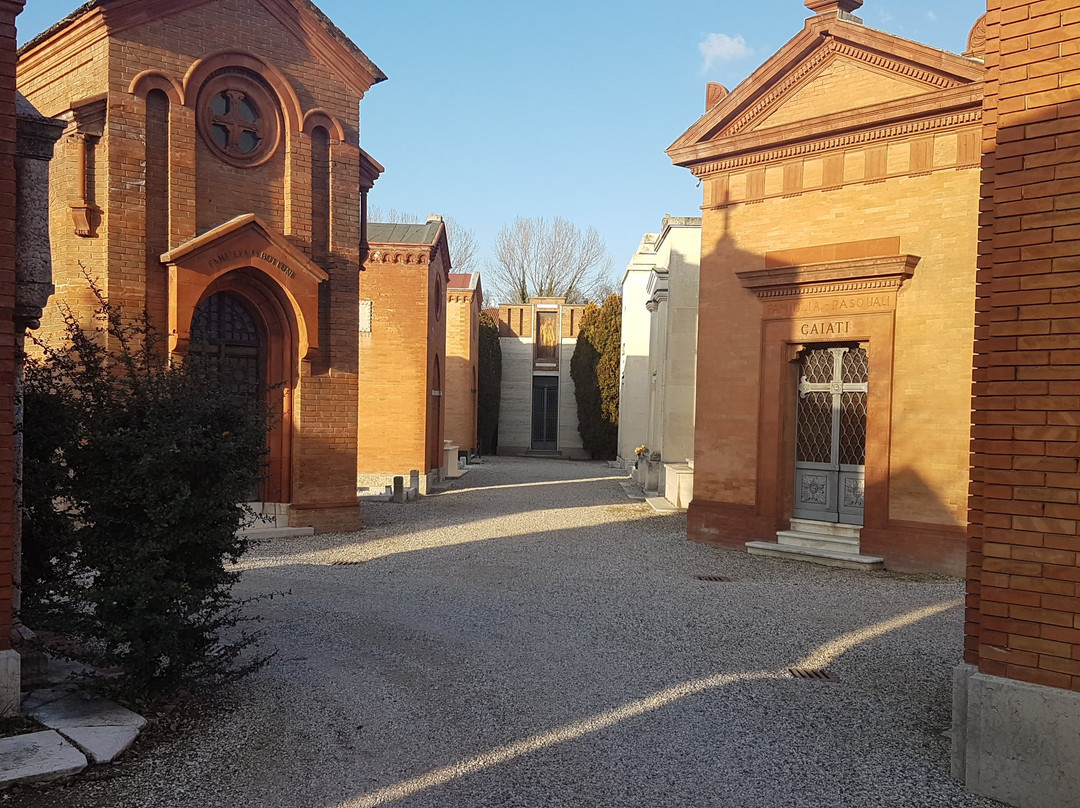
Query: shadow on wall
(762, 316)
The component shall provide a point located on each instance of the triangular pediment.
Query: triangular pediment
(840, 82)
(246, 241)
(834, 72)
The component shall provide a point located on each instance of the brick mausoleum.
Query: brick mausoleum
(838, 259)
(403, 326)
(206, 145)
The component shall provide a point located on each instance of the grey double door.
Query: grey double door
(830, 444)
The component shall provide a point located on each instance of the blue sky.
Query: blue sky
(497, 109)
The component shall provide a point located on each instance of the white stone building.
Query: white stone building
(671, 303)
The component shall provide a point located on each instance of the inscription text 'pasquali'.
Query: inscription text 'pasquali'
(834, 328)
(808, 307)
(237, 255)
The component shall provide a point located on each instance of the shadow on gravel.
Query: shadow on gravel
(820, 657)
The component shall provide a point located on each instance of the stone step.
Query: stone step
(276, 532)
(822, 541)
(661, 505)
(829, 558)
(830, 528)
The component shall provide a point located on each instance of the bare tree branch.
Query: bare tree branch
(538, 258)
(464, 245)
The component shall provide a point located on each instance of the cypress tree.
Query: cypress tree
(488, 385)
(594, 368)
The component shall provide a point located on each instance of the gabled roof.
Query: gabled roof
(835, 75)
(396, 233)
(463, 280)
(302, 17)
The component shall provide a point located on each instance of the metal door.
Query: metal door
(545, 413)
(830, 443)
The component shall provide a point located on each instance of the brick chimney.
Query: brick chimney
(830, 6)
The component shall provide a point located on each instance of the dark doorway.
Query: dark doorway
(225, 334)
(545, 413)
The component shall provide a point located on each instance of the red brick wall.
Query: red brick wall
(1023, 618)
(8, 11)
(459, 390)
(202, 191)
(397, 359)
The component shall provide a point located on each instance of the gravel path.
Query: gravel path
(531, 637)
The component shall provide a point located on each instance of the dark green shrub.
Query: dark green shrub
(594, 368)
(488, 385)
(134, 478)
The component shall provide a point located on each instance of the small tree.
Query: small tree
(594, 368)
(489, 384)
(135, 471)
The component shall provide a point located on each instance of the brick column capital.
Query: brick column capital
(12, 7)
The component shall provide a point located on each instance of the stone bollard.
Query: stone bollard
(414, 480)
(399, 489)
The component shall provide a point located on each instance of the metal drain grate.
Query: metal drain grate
(345, 563)
(813, 673)
(713, 579)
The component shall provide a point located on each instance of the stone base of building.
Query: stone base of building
(10, 682)
(918, 548)
(1016, 742)
(726, 525)
(911, 548)
(327, 518)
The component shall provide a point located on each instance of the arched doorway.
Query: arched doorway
(435, 444)
(226, 335)
(244, 329)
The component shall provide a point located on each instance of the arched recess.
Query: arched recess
(320, 117)
(434, 428)
(203, 69)
(149, 80)
(280, 334)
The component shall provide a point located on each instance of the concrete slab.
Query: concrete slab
(276, 532)
(79, 711)
(36, 699)
(1017, 742)
(101, 744)
(10, 680)
(38, 757)
(661, 505)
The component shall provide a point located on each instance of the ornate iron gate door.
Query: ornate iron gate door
(830, 444)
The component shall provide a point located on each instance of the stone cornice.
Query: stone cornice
(832, 277)
(419, 255)
(830, 50)
(460, 295)
(953, 120)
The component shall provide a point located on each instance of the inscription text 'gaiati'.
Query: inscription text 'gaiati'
(830, 305)
(234, 255)
(823, 329)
